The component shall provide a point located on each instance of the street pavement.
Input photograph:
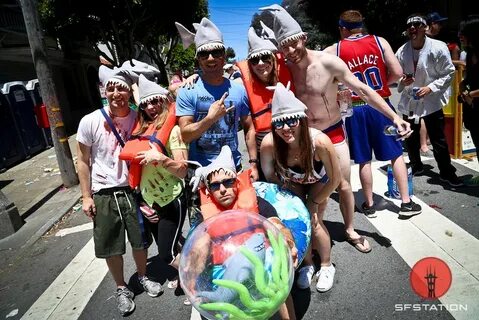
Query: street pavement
(54, 275)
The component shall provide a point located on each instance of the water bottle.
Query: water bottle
(345, 101)
(393, 189)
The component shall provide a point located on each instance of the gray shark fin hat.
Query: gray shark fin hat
(285, 27)
(207, 37)
(224, 161)
(140, 67)
(116, 75)
(285, 105)
(258, 46)
(148, 90)
(267, 33)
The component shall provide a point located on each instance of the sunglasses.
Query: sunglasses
(278, 125)
(415, 25)
(266, 59)
(217, 53)
(227, 183)
(154, 102)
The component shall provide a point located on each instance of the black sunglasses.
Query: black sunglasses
(217, 53)
(415, 25)
(228, 183)
(153, 101)
(266, 59)
(290, 122)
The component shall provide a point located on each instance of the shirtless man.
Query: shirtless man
(315, 76)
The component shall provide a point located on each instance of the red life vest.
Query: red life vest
(141, 143)
(259, 97)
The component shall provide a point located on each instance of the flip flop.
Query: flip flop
(359, 244)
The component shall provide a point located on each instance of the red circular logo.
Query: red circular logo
(430, 278)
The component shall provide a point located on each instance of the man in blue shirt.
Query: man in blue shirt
(208, 114)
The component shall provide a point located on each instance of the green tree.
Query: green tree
(230, 54)
(126, 27)
(383, 18)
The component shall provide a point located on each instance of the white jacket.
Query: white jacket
(434, 69)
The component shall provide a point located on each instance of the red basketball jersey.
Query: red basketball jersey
(364, 57)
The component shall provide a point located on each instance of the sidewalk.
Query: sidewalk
(35, 187)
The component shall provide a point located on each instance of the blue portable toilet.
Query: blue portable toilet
(40, 110)
(21, 104)
(11, 146)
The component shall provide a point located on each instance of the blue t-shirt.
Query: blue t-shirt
(197, 101)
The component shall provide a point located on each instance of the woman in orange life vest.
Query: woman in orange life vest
(162, 172)
(304, 160)
(224, 190)
(262, 68)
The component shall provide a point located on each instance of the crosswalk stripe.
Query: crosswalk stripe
(425, 235)
(67, 231)
(71, 291)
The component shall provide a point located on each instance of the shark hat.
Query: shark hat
(258, 46)
(267, 33)
(285, 105)
(285, 27)
(207, 37)
(140, 67)
(223, 161)
(116, 75)
(149, 90)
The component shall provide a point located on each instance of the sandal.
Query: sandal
(359, 244)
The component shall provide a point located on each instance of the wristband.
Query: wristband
(253, 161)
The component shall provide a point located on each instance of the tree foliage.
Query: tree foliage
(230, 54)
(383, 18)
(126, 27)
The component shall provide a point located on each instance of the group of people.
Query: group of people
(294, 132)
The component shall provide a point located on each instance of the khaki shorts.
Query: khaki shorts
(116, 213)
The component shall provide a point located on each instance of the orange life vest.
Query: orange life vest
(141, 143)
(259, 96)
(246, 198)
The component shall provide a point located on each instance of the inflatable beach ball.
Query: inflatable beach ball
(236, 265)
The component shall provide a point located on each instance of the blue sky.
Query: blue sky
(233, 18)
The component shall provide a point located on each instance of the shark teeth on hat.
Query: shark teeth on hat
(294, 37)
(260, 54)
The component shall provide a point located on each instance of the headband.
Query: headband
(416, 19)
(350, 25)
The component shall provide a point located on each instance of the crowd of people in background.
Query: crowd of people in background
(133, 165)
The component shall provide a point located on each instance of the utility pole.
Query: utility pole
(49, 92)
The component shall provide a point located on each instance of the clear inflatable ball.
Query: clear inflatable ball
(236, 265)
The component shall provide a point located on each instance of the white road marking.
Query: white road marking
(425, 236)
(71, 291)
(195, 315)
(83, 227)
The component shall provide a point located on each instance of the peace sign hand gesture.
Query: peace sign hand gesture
(218, 108)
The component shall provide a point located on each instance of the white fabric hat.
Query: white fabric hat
(207, 37)
(258, 46)
(140, 67)
(117, 75)
(149, 90)
(285, 27)
(227, 66)
(285, 105)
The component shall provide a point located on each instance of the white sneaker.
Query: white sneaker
(325, 278)
(305, 276)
